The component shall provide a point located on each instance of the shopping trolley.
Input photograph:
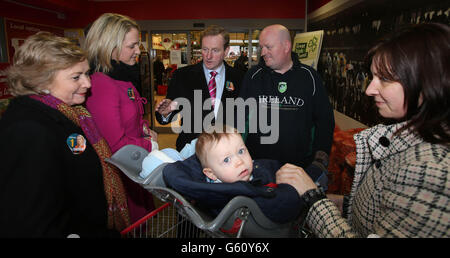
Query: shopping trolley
(178, 217)
(163, 222)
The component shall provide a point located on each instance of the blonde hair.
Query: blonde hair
(106, 34)
(38, 59)
(210, 136)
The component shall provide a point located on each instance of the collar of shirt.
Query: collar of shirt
(220, 76)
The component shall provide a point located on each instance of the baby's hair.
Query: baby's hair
(209, 136)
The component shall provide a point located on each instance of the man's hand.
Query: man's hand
(166, 106)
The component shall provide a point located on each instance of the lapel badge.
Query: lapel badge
(131, 94)
(282, 87)
(76, 143)
(229, 86)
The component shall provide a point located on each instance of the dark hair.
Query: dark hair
(418, 57)
(214, 30)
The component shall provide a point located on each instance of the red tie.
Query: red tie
(212, 87)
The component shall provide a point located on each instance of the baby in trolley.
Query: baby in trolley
(222, 168)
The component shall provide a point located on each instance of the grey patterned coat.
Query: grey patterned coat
(401, 188)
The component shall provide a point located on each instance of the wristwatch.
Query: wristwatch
(312, 196)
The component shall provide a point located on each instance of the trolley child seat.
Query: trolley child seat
(241, 217)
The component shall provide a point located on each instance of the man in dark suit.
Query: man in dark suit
(210, 82)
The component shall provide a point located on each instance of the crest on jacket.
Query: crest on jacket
(282, 87)
(229, 86)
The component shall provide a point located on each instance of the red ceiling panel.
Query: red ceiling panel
(79, 13)
(55, 5)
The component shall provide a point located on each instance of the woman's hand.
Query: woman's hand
(338, 200)
(153, 135)
(296, 177)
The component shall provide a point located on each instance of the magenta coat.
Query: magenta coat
(118, 117)
(117, 109)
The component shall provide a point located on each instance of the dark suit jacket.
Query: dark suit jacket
(183, 83)
(46, 190)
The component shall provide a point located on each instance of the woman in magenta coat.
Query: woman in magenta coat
(112, 44)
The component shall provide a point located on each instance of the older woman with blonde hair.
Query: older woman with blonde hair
(112, 45)
(47, 188)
